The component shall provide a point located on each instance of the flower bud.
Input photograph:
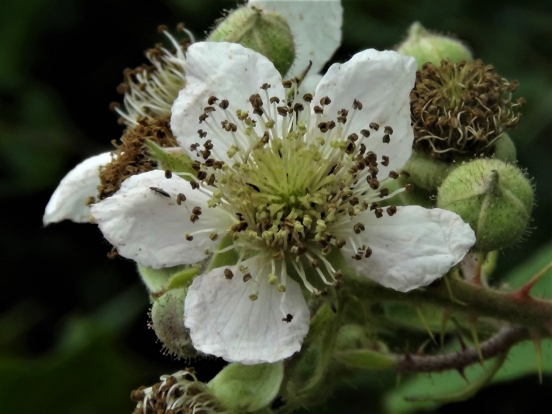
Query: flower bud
(505, 150)
(425, 171)
(494, 197)
(426, 46)
(265, 32)
(167, 320)
(247, 387)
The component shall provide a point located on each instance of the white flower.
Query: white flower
(315, 26)
(286, 179)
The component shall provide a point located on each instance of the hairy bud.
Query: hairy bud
(426, 46)
(265, 32)
(494, 197)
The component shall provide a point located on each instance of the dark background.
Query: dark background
(73, 324)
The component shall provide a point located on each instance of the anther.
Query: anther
(194, 185)
(114, 105)
(212, 100)
(368, 252)
(203, 117)
(208, 109)
(247, 277)
(405, 174)
(385, 160)
(113, 253)
(384, 192)
(188, 237)
(393, 174)
(180, 198)
(353, 137)
(365, 133)
(162, 28)
(307, 97)
(314, 263)
(358, 228)
(325, 101)
(374, 126)
(318, 110)
(265, 86)
(357, 105)
(201, 133)
(202, 175)
(224, 104)
(193, 147)
(282, 110)
(391, 210)
(339, 243)
(388, 130)
(357, 257)
(193, 218)
(288, 318)
(386, 139)
(228, 274)
(197, 210)
(378, 212)
(409, 188)
(287, 84)
(168, 174)
(373, 182)
(211, 180)
(208, 144)
(274, 99)
(298, 107)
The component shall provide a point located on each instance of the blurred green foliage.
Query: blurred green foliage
(73, 335)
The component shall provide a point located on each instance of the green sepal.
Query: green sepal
(247, 388)
(157, 280)
(174, 159)
(366, 359)
(184, 278)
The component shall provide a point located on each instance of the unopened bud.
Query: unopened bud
(504, 149)
(426, 46)
(265, 32)
(494, 197)
(167, 318)
(247, 387)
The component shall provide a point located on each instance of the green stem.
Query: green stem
(457, 295)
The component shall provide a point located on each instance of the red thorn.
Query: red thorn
(420, 351)
(523, 292)
(476, 279)
(461, 340)
(463, 374)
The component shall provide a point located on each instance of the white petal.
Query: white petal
(223, 321)
(227, 71)
(316, 28)
(69, 199)
(412, 248)
(149, 228)
(309, 84)
(382, 82)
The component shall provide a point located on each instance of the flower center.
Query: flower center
(295, 191)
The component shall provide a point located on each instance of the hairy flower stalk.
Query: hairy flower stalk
(284, 180)
(461, 108)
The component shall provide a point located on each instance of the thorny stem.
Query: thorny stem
(498, 344)
(464, 297)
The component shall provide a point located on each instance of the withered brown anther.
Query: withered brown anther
(130, 154)
(461, 108)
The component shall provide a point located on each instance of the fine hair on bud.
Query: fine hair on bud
(167, 320)
(494, 197)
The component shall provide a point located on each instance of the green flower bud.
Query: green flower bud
(167, 320)
(265, 32)
(425, 171)
(505, 150)
(494, 197)
(247, 387)
(426, 46)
